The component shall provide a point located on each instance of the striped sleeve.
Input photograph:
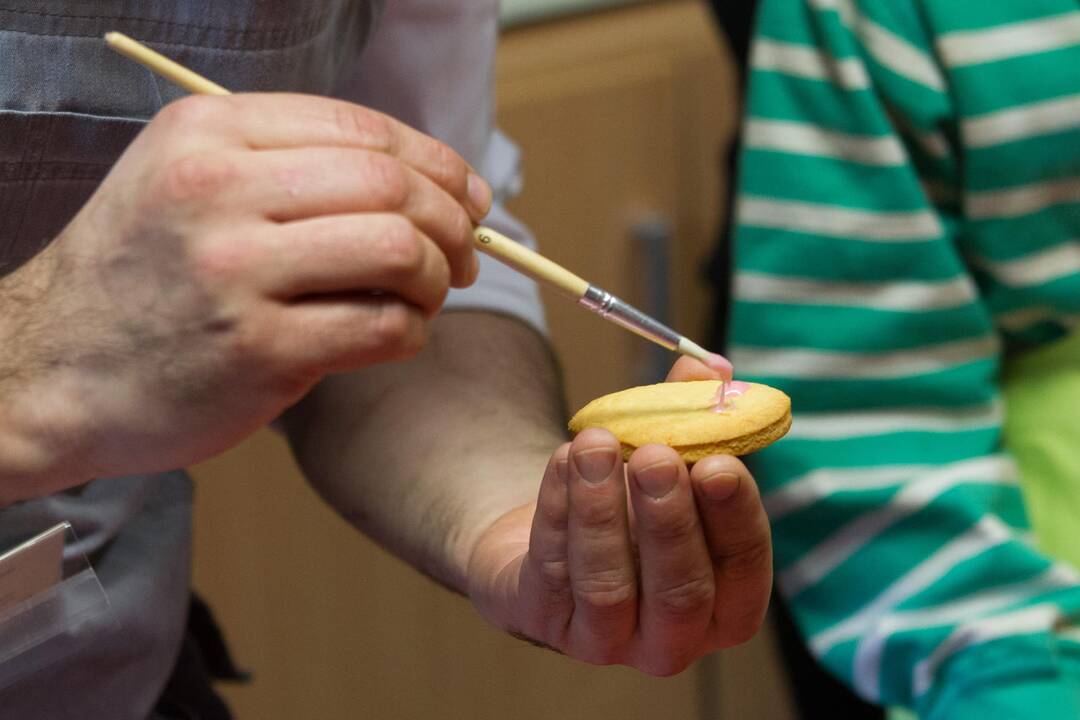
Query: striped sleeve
(900, 536)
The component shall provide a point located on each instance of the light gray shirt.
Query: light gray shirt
(68, 107)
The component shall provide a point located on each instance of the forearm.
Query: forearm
(423, 456)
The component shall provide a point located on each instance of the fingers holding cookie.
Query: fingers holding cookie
(601, 559)
(736, 529)
(645, 563)
(547, 559)
(676, 573)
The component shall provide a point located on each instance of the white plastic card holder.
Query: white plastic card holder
(44, 599)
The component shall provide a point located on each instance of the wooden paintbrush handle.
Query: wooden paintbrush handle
(532, 264)
(190, 81)
(501, 247)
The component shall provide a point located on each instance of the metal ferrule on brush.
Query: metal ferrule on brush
(608, 306)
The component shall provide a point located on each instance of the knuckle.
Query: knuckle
(218, 263)
(363, 127)
(252, 341)
(747, 561)
(256, 345)
(392, 326)
(397, 332)
(600, 516)
(389, 181)
(193, 111)
(439, 292)
(742, 630)
(255, 348)
(461, 228)
(554, 574)
(442, 272)
(450, 170)
(552, 511)
(687, 598)
(195, 177)
(610, 591)
(402, 251)
(669, 528)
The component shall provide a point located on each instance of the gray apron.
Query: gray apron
(68, 107)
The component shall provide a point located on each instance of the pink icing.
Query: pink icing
(730, 391)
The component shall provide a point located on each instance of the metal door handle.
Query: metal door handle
(653, 239)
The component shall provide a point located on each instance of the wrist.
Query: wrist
(27, 467)
(41, 443)
(38, 412)
(455, 562)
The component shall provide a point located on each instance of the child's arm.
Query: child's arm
(899, 528)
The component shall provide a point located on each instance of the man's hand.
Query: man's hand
(682, 569)
(240, 250)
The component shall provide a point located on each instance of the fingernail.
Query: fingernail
(595, 465)
(721, 486)
(722, 365)
(479, 195)
(562, 467)
(657, 480)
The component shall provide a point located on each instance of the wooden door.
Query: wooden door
(622, 117)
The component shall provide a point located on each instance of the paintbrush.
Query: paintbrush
(487, 240)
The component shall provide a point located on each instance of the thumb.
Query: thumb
(688, 368)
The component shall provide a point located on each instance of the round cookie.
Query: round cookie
(683, 415)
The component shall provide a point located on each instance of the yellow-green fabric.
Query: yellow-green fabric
(1042, 430)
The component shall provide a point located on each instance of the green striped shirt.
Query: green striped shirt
(908, 216)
